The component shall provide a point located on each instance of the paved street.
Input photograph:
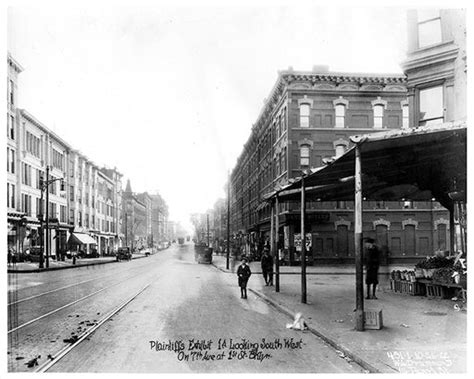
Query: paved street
(184, 301)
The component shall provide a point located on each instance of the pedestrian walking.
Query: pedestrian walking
(267, 267)
(243, 273)
(372, 264)
(10, 256)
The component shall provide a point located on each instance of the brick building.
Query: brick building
(436, 72)
(306, 121)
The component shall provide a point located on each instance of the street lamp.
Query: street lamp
(44, 186)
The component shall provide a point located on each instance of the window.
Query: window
(39, 174)
(283, 119)
(53, 210)
(304, 155)
(79, 218)
(340, 149)
(429, 27)
(8, 195)
(93, 201)
(39, 207)
(12, 162)
(8, 159)
(33, 144)
(304, 115)
(62, 213)
(26, 174)
(340, 115)
(26, 204)
(58, 160)
(93, 221)
(378, 116)
(11, 92)
(405, 122)
(11, 127)
(431, 106)
(12, 198)
(71, 193)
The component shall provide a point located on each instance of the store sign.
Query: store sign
(298, 241)
(310, 217)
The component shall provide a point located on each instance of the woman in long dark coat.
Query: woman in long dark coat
(372, 267)
(243, 273)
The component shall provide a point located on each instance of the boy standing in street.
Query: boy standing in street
(243, 273)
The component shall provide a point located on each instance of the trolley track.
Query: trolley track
(13, 305)
(66, 350)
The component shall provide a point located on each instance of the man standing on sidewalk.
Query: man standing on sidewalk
(267, 267)
(372, 264)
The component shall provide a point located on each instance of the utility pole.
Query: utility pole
(47, 216)
(359, 316)
(207, 219)
(303, 243)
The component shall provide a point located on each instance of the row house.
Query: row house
(306, 122)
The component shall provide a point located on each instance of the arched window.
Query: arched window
(304, 155)
(340, 149)
(405, 122)
(378, 116)
(304, 115)
(340, 115)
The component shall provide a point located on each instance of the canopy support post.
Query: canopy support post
(303, 244)
(359, 316)
(452, 230)
(277, 255)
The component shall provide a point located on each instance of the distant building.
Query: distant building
(160, 229)
(134, 213)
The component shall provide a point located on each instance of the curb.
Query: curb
(333, 343)
(36, 270)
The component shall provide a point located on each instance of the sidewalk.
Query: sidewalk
(419, 335)
(29, 267)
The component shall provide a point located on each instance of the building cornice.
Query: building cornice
(45, 129)
(13, 63)
(433, 55)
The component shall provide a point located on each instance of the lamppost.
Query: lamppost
(44, 186)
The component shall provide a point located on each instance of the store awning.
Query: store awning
(81, 239)
(414, 164)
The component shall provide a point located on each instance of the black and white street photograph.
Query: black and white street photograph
(246, 187)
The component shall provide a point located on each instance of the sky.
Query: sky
(169, 95)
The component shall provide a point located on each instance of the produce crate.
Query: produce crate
(407, 287)
(435, 291)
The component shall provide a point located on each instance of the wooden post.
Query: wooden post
(272, 230)
(277, 255)
(452, 230)
(359, 316)
(228, 224)
(303, 243)
(47, 217)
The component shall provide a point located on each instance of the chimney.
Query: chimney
(321, 68)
